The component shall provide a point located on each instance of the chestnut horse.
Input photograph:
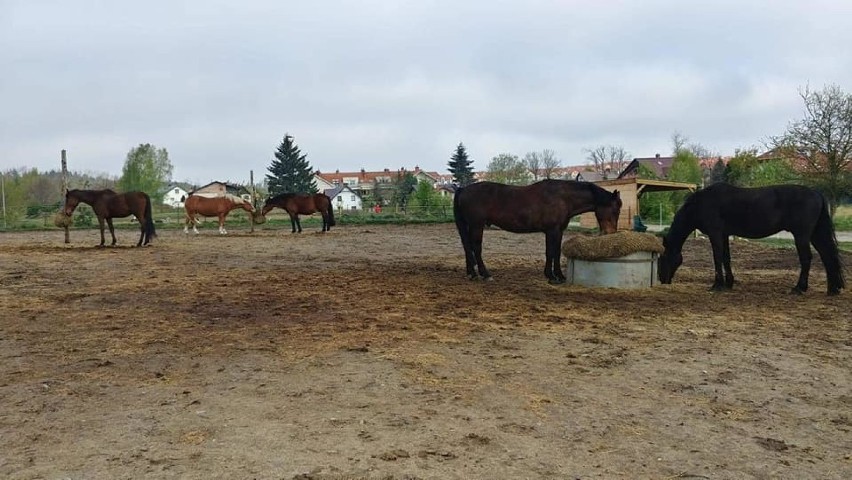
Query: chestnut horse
(546, 206)
(214, 206)
(108, 205)
(296, 205)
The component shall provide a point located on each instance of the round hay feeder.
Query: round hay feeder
(61, 220)
(620, 260)
(258, 218)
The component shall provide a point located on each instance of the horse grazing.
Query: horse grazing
(296, 205)
(546, 206)
(214, 206)
(108, 205)
(721, 210)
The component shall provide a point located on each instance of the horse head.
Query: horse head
(607, 212)
(668, 262)
(247, 206)
(267, 207)
(71, 201)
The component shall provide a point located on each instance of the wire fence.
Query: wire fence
(37, 217)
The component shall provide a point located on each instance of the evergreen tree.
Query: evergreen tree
(718, 174)
(460, 167)
(290, 171)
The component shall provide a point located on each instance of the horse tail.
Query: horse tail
(150, 231)
(461, 223)
(331, 221)
(825, 242)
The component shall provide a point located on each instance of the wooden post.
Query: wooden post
(253, 200)
(65, 190)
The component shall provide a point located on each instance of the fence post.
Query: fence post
(65, 190)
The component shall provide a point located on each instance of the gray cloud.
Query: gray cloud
(390, 84)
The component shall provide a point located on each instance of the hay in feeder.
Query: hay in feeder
(258, 218)
(619, 244)
(61, 220)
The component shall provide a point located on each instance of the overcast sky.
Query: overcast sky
(389, 84)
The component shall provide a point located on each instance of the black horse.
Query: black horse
(721, 210)
(108, 205)
(546, 206)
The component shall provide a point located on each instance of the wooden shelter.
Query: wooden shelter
(632, 189)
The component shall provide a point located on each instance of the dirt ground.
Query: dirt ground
(366, 353)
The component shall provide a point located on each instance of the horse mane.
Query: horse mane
(235, 199)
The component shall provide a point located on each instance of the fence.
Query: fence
(37, 217)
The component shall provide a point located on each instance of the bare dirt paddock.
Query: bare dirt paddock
(366, 353)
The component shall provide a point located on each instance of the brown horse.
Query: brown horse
(546, 206)
(296, 205)
(218, 206)
(108, 205)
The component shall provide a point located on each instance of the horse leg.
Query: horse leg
(803, 247)
(557, 257)
(222, 230)
(726, 264)
(101, 225)
(112, 231)
(718, 242)
(298, 223)
(293, 218)
(476, 245)
(548, 259)
(142, 221)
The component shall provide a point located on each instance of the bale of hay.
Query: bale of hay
(258, 218)
(61, 220)
(619, 244)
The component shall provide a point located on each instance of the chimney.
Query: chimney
(417, 168)
(657, 156)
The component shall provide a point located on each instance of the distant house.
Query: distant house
(364, 182)
(344, 198)
(174, 196)
(221, 188)
(446, 190)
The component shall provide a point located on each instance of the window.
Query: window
(353, 198)
(339, 199)
(177, 191)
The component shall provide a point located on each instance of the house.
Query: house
(174, 196)
(364, 182)
(221, 188)
(344, 198)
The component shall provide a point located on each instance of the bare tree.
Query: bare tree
(549, 163)
(608, 159)
(532, 160)
(822, 141)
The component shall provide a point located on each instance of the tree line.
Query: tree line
(815, 150)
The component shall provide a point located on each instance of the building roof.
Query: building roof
(364, 176)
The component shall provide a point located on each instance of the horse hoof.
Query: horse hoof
(473, 277)
(796, 291)
(556, 281)
(833, 291)
(488, 279)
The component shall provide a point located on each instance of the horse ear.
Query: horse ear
(616, 194)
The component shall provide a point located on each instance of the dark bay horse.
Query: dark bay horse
(213, 206)
(546, 206)
(721, 210)
(108, 205)
(295, 205)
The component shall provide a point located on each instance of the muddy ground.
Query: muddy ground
(366, 353)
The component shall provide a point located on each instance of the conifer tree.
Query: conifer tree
(290, 171)
(460, 167)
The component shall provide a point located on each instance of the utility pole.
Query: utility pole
(253, 200)
(3, 189)
(65, 190)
